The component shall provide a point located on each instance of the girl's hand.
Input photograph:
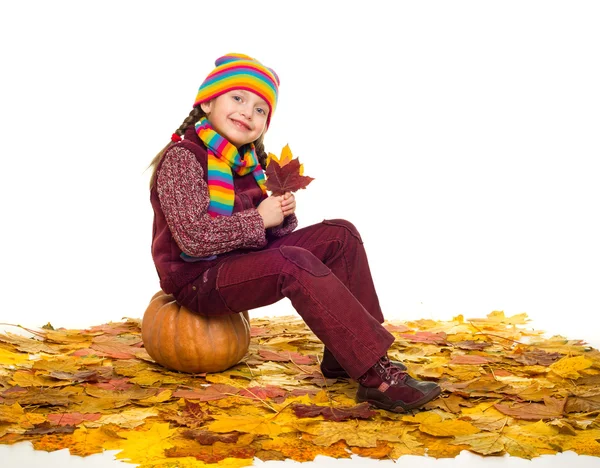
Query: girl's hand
(271, 211)
(288, 205)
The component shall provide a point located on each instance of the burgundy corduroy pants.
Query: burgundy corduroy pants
(323, 270)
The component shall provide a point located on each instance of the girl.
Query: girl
(221, 245)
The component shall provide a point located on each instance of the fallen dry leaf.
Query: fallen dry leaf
(340, 413)
(507, 390)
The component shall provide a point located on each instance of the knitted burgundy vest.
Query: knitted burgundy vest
(174, 273)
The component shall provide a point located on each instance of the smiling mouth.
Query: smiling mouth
(239, 124)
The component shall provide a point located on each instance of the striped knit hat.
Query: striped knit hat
(238, 71)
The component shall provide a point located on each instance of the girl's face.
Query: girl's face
(239, 116)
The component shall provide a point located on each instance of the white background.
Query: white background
(461, 139)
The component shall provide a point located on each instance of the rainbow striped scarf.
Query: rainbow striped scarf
(223, 158)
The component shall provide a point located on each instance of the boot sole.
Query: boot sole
(399, 407)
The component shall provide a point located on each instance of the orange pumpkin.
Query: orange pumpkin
(182, 340)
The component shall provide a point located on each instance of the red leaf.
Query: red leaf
(470, 344)
(209, 438)
(115, 384)
(286, 178)
(72, 419)
(362, 411)
(536, 356)
(258, 331)
(469, 359)
(426, 337)
(115, 328)
(263, 392)
(47, 428)
(214, 392)
(93, 375)
(396, 328)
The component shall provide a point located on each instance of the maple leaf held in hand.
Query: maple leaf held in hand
(285, 174)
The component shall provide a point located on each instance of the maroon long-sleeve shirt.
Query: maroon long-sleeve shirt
(180, 200)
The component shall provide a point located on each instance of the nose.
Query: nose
(246, 111)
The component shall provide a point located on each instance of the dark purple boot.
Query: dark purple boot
(387, 387)
(332, 370)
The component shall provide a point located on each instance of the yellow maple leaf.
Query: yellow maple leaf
(161, 397)
(425, 416)
(448, 428)
(568, 366)
(27, 379)
(146, 446)
(355, 433)
(485, 416)
(439, 447)
(11, 414)
(537, 429)
(382, 450)
(148, 378)
(497, 317)
(254, 424)
(302, 449)
(321, 397)
(58, 364)
(223, 379)
(129, 418)
(302, 400)
(87, 441)
(6, 357)
(408, 445)
(285, 158)
(484, 443)
(52, 442)
(585, 443)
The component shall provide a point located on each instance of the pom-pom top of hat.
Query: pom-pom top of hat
(239, 71)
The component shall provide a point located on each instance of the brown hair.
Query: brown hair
(193, 117)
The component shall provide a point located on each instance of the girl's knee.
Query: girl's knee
(304, 259)
(347, 225)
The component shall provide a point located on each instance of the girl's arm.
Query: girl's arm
(184, 199)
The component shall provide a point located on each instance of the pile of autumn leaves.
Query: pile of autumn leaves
(506, 390)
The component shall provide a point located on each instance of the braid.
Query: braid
(259, 148)
(191, 119)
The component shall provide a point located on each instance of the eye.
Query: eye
(237, 98)
(261, 111)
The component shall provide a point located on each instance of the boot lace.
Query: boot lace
(392, 373)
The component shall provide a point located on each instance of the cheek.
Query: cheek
(263, 125)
